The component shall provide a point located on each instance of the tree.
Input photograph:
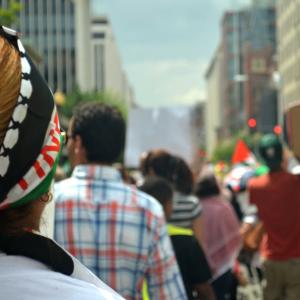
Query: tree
(77, 97)
(225, 148)
(9, 15)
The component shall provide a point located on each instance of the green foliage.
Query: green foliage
(225, 148)
(223, 151)
(77, 97)
(9, 16)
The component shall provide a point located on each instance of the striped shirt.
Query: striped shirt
(186, 208)
(117, 232)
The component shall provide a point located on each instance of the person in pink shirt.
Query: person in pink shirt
(222, 240)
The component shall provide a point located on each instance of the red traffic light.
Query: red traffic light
(252, 123)
(277, 129)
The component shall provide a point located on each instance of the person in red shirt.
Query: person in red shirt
(277, 197)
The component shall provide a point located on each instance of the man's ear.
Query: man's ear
(77, 144)
(79, 149)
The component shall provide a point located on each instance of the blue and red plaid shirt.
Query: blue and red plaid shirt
(119, 233)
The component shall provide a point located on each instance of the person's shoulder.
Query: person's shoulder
(189, 199)
(144, 201)
(188, 245)
(65, 186)
(257, 182)
(291, 176)
(45, 282)
(76, 289)
(64, 182)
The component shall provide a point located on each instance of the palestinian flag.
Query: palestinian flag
(242, 154)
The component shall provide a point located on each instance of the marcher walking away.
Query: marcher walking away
(222, 240)
(115, 230)
(186, 207)
(276, 196)
(189, 254)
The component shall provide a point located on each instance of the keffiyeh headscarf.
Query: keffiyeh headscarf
(30, 149)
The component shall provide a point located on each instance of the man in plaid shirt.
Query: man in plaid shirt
(115, 230)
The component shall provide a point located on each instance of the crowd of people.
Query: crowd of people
(171, 235)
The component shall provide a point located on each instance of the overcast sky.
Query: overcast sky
(166, 45)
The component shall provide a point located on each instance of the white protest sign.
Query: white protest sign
(169, 128)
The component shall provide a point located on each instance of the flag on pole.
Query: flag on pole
(242, 154)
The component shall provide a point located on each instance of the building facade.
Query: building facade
(107, 69)
(230, 69)
(74, 49)
(288, 23)
(84, 75)
(48, 28)
(213, 115)
(248, 46)
(259, 55)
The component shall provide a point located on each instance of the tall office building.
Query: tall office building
(288, 24)
(260, 95)
(107, 69)
(248, 46)
(83, 44)
(213, 115)
(74, 49)
(48, 27)
(289, 51)
(264, 3)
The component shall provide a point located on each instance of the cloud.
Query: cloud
(166, 45)
(150, 30)
(195, 94)
(167, 82)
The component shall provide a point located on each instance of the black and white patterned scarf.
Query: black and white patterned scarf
(32, 143)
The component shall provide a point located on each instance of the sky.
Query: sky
(166, 45)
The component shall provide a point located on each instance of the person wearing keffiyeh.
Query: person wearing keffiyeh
(32, 266)
(222, 240)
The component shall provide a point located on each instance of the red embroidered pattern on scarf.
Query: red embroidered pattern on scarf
(54, 147)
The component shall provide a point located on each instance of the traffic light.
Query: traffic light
(277, 129)
(252, 125)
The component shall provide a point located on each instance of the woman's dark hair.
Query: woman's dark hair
(159, 188)
(102, 130)
(207, 186)
(144, 164)
(171, 167)
(13, 221)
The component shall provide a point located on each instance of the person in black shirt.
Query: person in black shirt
(189, 254)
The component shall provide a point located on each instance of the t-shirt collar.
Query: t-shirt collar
(96, 172)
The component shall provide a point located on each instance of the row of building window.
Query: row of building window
(284, 5)
(291, 96)
(57, 74)
(289, 20)
(47, 6)
(290, 49)
(44, 8)
(291, 74)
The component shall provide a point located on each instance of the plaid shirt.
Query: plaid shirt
(117, 232)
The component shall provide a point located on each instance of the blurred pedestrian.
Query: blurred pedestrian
(32, 266)
(186, 207)
(222, 240)
(276, 196)
(190, 256)
(115, 230)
